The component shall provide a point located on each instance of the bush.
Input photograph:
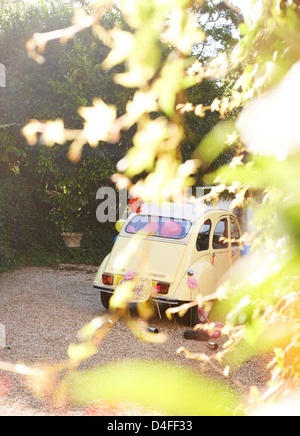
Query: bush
(42, 194)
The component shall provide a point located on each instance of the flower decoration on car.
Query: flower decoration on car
(154, 291)
(130, 275)
(193, 282)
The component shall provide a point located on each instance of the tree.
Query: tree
(220, 24)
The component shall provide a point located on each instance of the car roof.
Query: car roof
(188, 211)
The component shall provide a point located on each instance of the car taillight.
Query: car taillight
(162, 288)
(107, 279)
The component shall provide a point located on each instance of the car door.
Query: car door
(221, 252)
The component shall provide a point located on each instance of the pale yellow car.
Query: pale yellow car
(174, 252)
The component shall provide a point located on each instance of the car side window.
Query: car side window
(235, 233)
(221, 235)
(203, 237)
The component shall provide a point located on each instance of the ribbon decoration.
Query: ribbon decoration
(218, 326)
(213, 260)
(135, 205)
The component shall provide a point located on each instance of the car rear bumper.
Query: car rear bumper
(157, 299)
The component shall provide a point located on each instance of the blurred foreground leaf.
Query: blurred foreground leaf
(221, 137)
(163, 387)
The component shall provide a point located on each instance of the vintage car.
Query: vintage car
(176, 251)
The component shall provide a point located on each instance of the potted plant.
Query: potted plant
(72, 240)
(72, 233)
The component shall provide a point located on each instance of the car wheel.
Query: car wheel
(191, 318)
(105, 299)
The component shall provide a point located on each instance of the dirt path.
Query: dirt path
(43, 310)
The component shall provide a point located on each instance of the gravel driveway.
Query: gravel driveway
(43, 310)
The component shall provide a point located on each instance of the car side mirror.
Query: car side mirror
(119, 225)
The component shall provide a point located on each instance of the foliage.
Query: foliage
(161, 78)
(263, 297)
(60, 196)
(20, 227)
(268, 297)
(143, 380)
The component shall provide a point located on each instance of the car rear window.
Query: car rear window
(158, 226)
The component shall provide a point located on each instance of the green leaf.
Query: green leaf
(254, 331)
(80, 352)
(244, 29)
(216, 141)
(171, 389)
(170, 83)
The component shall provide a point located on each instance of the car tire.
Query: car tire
(105, 299)
(192, 316)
